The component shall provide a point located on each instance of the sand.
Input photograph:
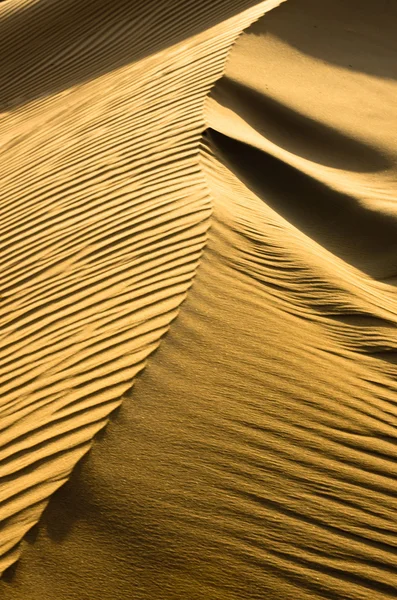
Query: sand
(198, 316)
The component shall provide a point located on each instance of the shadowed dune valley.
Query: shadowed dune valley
(198, 314)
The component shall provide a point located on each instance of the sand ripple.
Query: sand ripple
(255, 455)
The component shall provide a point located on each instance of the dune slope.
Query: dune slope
(255, 455)
(104, 214)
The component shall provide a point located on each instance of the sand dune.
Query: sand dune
(254, 456)
(101, 245)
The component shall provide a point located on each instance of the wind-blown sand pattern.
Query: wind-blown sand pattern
(255, 455)
(102, 244)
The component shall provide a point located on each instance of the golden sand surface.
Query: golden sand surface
(199, 252)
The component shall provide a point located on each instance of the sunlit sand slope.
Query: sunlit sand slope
(104, 214)
(255, 456)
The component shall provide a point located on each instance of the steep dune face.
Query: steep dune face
(255, 455)
(321, 116)
(104, 215)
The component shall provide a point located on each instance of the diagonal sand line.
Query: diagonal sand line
(105, 213)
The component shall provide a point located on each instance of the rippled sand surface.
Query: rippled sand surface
(198, 300)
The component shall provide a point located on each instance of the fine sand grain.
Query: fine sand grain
(143, 151)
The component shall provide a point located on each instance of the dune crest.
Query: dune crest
(254, 222)
(104, 216)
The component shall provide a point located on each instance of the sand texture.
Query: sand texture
(198, 251)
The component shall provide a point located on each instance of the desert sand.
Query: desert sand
(198, 300)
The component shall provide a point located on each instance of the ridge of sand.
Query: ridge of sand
(104, 216)
(255, 455)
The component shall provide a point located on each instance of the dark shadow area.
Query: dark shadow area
(49, 46)
(354, 34)
(9, 574)
(297, 133)
(68, 501)
(64, 502)
(32, 534)
(364, 238)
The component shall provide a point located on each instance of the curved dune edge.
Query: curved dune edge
(99, 252)
(255, 456)
(311, 170)
(330, 320)
(272, 452)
